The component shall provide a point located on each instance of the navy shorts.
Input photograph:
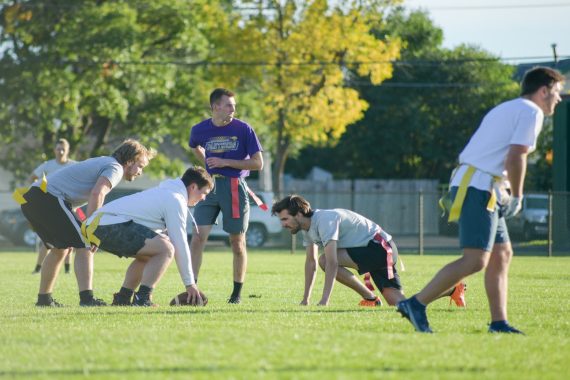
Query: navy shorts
(229, 196)
(123, 239)
(373, 259)
(478, 227)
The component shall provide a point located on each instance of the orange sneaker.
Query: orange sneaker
(371, 303)
(458, 295)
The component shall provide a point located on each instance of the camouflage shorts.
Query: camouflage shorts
(123, 239)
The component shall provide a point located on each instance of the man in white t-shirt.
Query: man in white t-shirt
(60, 161)
(349, 240)
(150, 227)
(495, 156)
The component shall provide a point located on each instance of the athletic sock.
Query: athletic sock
(38, 268)
(86, 295)
(452, 290)
(67, 268)
(44, 298)
(237, 289)
(498, 325)
(417, 303)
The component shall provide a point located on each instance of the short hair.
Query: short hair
(63, 142)
(130, 150)
(217, 94)
(540, 76)
(199, 176)
(294, 204)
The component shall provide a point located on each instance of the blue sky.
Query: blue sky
(506, 28)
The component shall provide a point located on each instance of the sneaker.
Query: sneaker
(458, 295)
(235, 300)
(504, 328)
(143, 302)
(377, 302)
(121, 300)
(51, 303)
(416, 315)
(93, 302)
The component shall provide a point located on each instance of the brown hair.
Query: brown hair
(217, 94)
(63, 142)
(199, 176)
(294, 204)
(540, 76)
(130, 150)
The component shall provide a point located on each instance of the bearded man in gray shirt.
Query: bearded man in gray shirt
(349, 240)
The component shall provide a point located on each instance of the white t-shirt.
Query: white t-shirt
(515, 122)
(51, 166)
(163, 209)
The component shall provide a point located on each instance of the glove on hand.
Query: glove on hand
(513, 207)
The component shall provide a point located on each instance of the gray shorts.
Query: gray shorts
(479, 227)
(123, 239)
(229, 196)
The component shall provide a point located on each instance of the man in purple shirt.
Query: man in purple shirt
(229, 149)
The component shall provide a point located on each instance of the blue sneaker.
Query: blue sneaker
(415, 314)
(503, 327)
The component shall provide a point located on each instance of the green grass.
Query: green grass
(270, 336)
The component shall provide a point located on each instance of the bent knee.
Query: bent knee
(166, 247)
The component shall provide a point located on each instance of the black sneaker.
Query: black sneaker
(143, 302)
(121, 300)
(504, 328)
(235, 300)
(51, 303)
(93, 302)
(416, 315)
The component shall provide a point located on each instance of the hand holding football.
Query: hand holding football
(181, 300)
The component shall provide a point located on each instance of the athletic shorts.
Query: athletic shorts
(478, 227)
(123, 239)
(373, 259)
(52, 219)
(229, 196)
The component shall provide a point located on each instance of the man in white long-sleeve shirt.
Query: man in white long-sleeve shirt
(150, 226)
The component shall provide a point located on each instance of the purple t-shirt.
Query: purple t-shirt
(236, 141)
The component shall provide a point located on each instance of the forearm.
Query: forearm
(95, 202)
(200, 155)
(331, 269)
(249, 164)
(310, 274)
(516, 170)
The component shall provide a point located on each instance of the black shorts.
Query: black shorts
(123, 239)
(53, 220)
(373, 259)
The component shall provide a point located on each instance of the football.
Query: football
(180, 300)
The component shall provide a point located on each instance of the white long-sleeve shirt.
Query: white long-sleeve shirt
(163, 209)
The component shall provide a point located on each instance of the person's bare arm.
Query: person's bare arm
(331, 269)
(516, 168)
(200, 153)
(98, 194)
(310, 272)
(253, 163)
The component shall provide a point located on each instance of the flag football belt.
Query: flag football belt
(234, 185)
(88, 231)
(18, 194)
(457, 205)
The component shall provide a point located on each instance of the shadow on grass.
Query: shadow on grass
(229, 370)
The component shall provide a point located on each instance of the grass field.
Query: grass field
(270, 336)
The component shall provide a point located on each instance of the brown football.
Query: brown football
(180, 300)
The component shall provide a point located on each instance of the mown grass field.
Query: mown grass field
(269, 336)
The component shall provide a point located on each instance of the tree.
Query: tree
(420, 119)
(96, 72)
(308, 48)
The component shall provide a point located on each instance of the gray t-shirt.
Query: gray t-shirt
(75, 182)
(346, 227)
(50, 166)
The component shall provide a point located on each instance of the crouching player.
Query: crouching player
(150, 226)
(350, 241)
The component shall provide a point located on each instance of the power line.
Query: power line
(485, 7)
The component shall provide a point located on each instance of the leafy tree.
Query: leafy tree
(96, 72)
(420, 119)
(309, 48)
